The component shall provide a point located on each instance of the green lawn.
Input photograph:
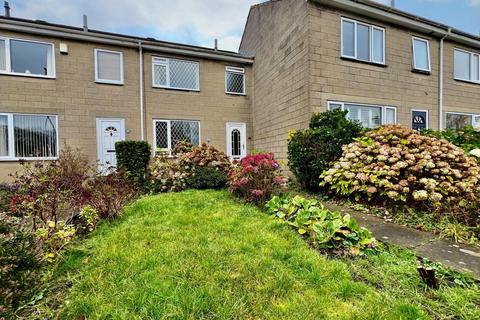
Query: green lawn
(202, 255)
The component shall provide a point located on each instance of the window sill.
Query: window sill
(16, 74)
(377, 64)
(235, 94)
(419, 71)
(28, 159)
(176, 89)
(109, 82)
(466, 81)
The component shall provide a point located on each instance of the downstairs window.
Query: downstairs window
(370, 116)
(167, 133)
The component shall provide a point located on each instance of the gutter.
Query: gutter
(122, 41)
(440, 81)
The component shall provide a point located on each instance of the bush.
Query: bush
(312, 151)
(396, 164)
(467, 138)
(133, 158)
(329, 231)
(176, 173)
(207, 178)
(256, 178)
(20, 261)
(7, 192)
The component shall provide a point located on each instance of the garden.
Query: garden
(190, 235)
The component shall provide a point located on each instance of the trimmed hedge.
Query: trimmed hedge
(133, 158)
(207, 178)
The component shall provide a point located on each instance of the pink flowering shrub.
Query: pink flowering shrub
(396, 164)
(256, 178)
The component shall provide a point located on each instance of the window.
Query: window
(235, 80)
(421, 54)
(25, 136)
(169, 132)
(458, 121)
(108, 66)
(467, 66)
(370, 116)
(363, 41)
(175, 74)
(25, 57)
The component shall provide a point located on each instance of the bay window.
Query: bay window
(363, 41)
(167, 133)
(26, 57)
(370, 116)
(25, 136)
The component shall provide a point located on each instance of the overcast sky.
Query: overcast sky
(198, 22)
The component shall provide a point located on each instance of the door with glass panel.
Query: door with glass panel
(236, 140)
(109, 131)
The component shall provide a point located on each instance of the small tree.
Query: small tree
(311, 151)
(133, 158)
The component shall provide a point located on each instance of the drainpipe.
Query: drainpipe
(440, 82)
(142, 107)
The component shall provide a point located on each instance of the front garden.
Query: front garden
(265, 249)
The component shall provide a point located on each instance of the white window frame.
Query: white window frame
(108, 81)
(164, 61)
(11, 138)
(8, 57)
(472, 115)
(414, 38)
(169, 133)
(382, 107)
(371, 28)
(237, 70)
(472, 54)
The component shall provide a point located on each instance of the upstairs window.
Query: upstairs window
(108, 66)
(30, 137)
(26, 57)
(421, 54)
(235, 80)
(370, 116)
(363, 41)
(467, 66)
(175, 74)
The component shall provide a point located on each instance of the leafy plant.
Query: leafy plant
(468, 138)
(207, 178)
(90, 216)
(311, 151)
(329, 230)
(7, 192)
(256, 178)
(133, 158)
(394, 164)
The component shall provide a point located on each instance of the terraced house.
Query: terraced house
(88, 89)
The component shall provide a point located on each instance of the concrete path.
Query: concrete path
(458, 257)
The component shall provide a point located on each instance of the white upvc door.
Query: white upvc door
(236, 140)
(109, 131)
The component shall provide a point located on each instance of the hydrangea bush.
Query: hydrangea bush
(256, 178)
(398, 164)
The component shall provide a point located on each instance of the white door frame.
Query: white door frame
(100, 136)
(243, 135)
(419, 110)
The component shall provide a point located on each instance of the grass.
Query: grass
(202, 255)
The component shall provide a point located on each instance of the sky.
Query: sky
(199, 22)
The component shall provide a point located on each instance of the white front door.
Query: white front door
(109, 131)
(236, 140)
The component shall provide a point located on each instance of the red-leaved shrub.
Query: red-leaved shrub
(256, 178)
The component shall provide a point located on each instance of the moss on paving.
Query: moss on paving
(202, 255)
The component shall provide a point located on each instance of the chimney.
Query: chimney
(216, 45)
(85, 23)
(7, 9)
(392, 3)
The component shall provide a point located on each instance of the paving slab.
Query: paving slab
(459, 257)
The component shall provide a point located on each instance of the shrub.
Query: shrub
(330, 231)
(176, 173)
(181, 148)
(467, 138)
(207, 178)
(7, 192)
(20, 260)
(396, 164)
(312, 151)
(256, 178)
(133, 158)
